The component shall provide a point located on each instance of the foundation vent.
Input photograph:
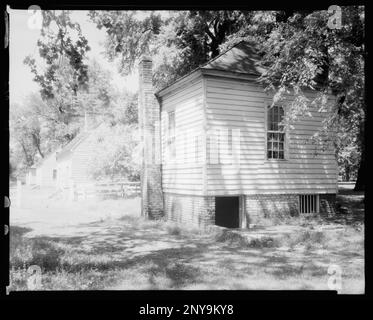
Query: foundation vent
(309, 203)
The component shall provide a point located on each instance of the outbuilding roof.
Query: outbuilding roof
(69, 148)
(41, 161)
(242, 58)
(72, 145)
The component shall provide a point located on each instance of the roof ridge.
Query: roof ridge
(220, 54)
(78, 139)
(211, 61)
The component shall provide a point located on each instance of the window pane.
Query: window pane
(275, 126)
(173, 150)
(171, 122)
(281, 113)
(275, 146)
(269, 145)
(275, 138)
(281, 118)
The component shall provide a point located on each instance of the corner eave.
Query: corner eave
(179, 82)
(228, 74)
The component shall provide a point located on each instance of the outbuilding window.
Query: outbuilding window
(171, 135)
(275, 133)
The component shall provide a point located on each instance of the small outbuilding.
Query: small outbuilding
(31, 176)
(73, 159)
(44, 173)
(217, 153)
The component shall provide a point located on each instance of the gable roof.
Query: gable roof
(42, 161)
(242, 58)
(72, 145)
(69, 148)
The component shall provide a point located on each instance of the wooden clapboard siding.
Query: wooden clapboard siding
(240, 104)
(64, 171)
(183, 174)
(80, 160)
(46, 170)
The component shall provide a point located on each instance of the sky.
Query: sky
(23, 39)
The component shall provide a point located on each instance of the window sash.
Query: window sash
(275, 133)
(171, 135)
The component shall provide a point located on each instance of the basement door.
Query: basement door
(227, 212)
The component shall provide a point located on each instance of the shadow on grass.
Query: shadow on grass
(168, 258)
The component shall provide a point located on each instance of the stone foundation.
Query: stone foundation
(327, 204)
(259, 207)
(191, 210)
(281, 206)
(151, 191)
(199, 211)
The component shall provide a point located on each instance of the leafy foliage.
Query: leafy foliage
(299, 51)
(61, 42)
(70, 86)
(119, 155)
(178, 43)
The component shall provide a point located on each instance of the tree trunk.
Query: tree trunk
(36, 140)
(360, 181)
(361, 173)
(29, 159)
(347, 171)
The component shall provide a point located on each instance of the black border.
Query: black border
(242, 300)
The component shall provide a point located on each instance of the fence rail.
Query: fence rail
(121, 189)
(346, 182)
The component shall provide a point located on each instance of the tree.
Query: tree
(301, 52)
(24, 137)
(298, 48)
(178, 44)
(56, 47)
(63, 74)
(120, 153)
(304, 52)
(70, 86)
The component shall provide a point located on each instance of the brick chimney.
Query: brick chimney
(149, 125)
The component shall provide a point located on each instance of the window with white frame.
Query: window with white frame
(171, 135)
(275, 133)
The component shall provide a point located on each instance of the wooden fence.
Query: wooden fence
(105, 189)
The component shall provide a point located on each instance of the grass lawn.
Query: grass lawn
(125, 252)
